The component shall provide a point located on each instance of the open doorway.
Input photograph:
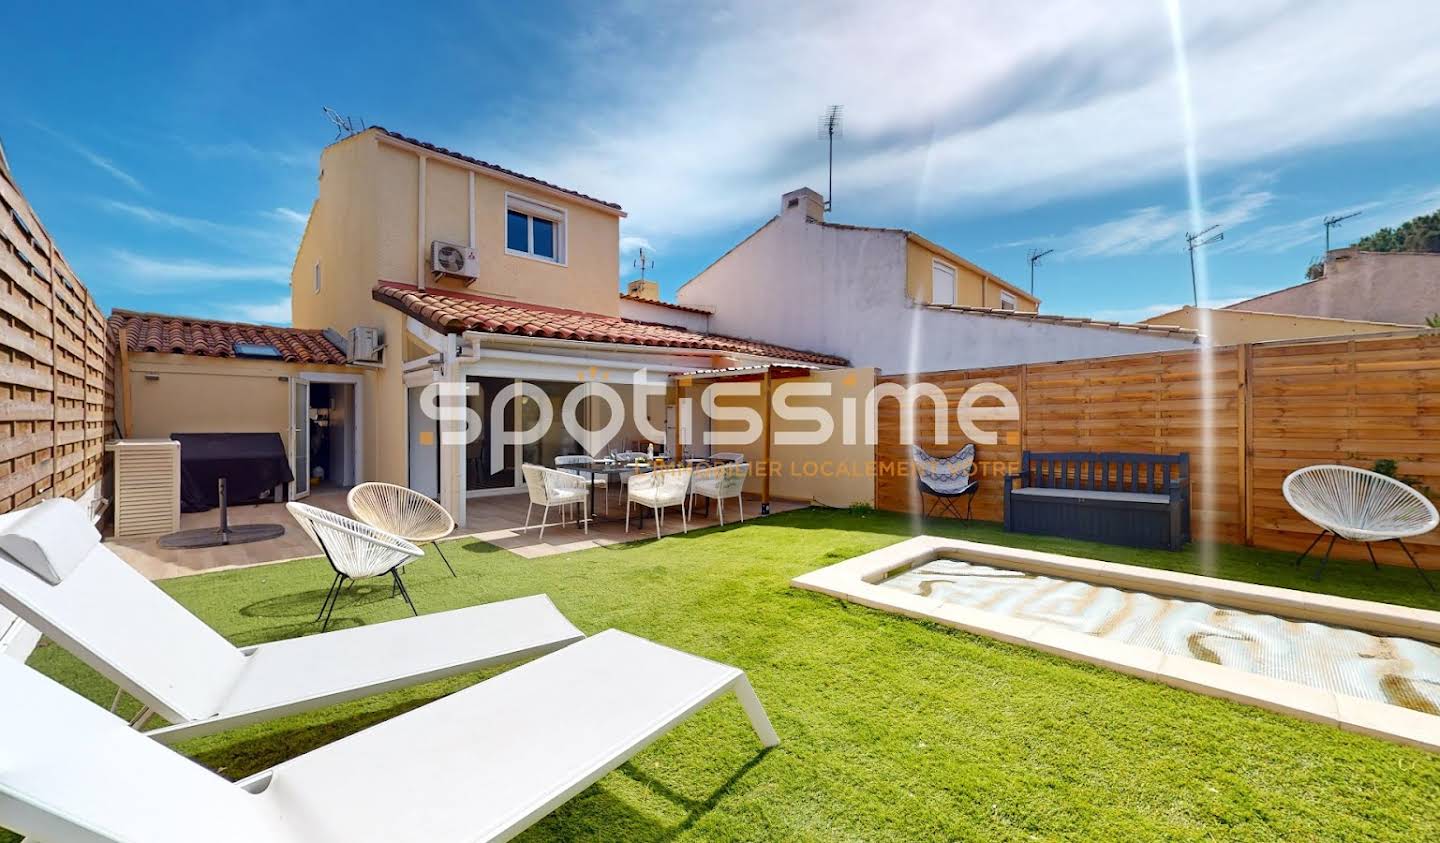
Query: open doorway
(333, 442)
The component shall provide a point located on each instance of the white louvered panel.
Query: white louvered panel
(147, 486)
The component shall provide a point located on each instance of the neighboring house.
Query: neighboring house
(641, 302)
(1230, 326)
(534, 297)
(1394, 287)
(889, 298)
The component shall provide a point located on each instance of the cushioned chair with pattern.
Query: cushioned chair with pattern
(946, 479)
(718, 483)
(402, 512)
(1359, 505)
(551, 488)
(656, 490)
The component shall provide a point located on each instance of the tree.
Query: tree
(1421, 234)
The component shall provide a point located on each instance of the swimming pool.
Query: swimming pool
(1366, 667)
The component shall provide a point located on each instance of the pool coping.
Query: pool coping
(857, 580)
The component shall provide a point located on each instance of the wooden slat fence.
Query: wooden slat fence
(1272, 408)
(56, 400)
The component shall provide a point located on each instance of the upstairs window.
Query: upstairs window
(942, 283)
(1007, 301)
(533, 230)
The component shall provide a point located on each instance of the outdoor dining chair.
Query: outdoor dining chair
(1361, 506)
(727, 456)
(600, 481)
(550, 488)
(656, 490)
(946, 479)
(57, 576)
(718, 483)
(356, 551)
(402, 512)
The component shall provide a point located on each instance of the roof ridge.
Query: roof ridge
(1078, 321)
(461, 294)
(125, 311)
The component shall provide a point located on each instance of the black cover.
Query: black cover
(253, 464)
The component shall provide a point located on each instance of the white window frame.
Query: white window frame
(533, 209)
(938, 264)
(317, 277)
(1008, 301)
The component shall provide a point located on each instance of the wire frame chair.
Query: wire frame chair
(403, 512)
(1360, 506)
(355, 551)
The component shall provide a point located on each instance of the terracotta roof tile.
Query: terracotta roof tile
(453, 312)
(672, 305)
(213, 338)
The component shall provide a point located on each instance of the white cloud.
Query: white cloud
(1154, 228)
(154, 274)
(164, 219)
(1146, 311)
(630, 245)
(94, 158)
(290, 216)
(1387, 212)
(983, 106)
(274, 312)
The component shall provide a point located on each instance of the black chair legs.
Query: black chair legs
(1368, 549)
(443, 559)
(1421, 570)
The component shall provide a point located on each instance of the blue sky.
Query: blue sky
(172, 148)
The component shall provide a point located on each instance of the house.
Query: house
(1232, 326)
(1390, 287)
(890, 298)
(437, 267)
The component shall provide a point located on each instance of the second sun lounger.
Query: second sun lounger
(57, 576)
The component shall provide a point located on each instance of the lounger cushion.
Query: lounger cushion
(49, 539)
(1095, 495)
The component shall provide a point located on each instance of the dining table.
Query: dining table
(610, 469)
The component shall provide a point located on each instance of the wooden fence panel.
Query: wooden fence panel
(1270, 408)
(56, 400)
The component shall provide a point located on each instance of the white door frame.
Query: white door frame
(357, 397)
(299, 435)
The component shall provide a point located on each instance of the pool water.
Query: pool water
(1400, 671)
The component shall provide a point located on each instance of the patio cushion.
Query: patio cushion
(1094, 494)
(49, 539)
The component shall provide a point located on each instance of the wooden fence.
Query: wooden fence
(1273, 408)
(55, 377)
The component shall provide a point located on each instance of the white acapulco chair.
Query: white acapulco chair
(402, 512)
(718, 483)
(656, 490)
(550, 488)
(356, 551)
(1361, 506)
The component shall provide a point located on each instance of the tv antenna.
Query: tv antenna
(832, 126)
(1331, 222)
(644, 263)
(1193, 242)
(1034, 257)
(344, 126)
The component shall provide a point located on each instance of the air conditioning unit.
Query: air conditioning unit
(453, 259)
(365, 345)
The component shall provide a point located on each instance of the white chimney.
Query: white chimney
(803, 201)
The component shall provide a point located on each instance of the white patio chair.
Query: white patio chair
(1361, 506)
(551, 488)
(402, 512)
(59, 578)
(656, 490)
(718, 483)
(482, 764)
(356, 551)
(600, 481)
(727, 456)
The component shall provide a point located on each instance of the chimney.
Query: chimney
(803, 201)
(643, 289)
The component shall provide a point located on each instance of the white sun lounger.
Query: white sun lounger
(57, 576)
(481, 764)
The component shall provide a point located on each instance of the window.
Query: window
(942, 284)
(534, 230)
(1007, 301)
(257, 349)
(317, 276)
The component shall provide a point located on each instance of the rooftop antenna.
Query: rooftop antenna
(1035, 256)
(644, 263)
(1193, 242)
(832, 126)
(1331, 222)
(344, 126)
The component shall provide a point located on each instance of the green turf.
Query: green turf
(892, 729)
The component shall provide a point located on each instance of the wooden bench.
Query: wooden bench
(1140, 500)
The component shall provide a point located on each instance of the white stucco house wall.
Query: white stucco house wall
(863, 293)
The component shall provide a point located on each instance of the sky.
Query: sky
(172, 149)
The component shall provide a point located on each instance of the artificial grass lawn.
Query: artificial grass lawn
(891, 729)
